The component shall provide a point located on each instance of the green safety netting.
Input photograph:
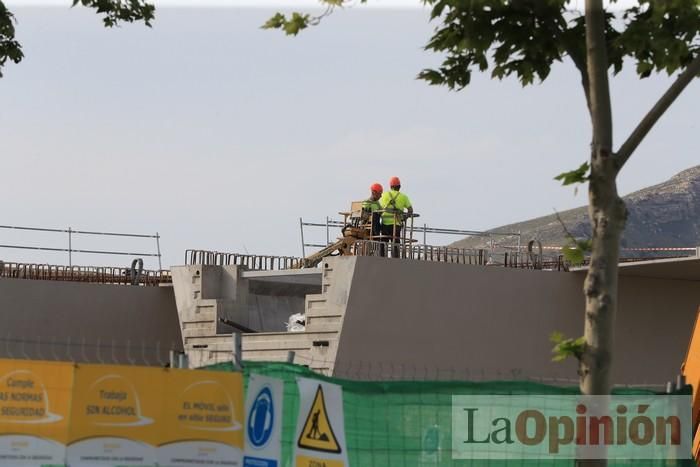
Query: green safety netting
(408, 423)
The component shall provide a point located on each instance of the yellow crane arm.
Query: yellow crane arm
(341, 246)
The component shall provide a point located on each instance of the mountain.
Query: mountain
(663, 215)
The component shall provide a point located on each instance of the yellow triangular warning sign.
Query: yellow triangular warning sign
(317, 434)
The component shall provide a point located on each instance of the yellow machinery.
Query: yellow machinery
(691, 371)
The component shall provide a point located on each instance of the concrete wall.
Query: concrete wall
(431, 320)
(654, 326)
(262, 302)
(399, 318)
(206, 294)
(270, 313)
(215, 301)
(131, 324)
(270, 304)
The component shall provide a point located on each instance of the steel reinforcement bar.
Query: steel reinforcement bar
(418, 252)
(95, 274)
(252, 262)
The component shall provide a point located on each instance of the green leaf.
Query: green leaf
(117, 11)
(556, 337)
(523, 39)
(579, 175)
(276, 22)
(10, 49)
(585, 245)
(644, 69)
(431, 76)
(573, 255)
(575, 252)
(295, 24)
(566, 347)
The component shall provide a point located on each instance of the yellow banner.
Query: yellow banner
(116, 415)
(203, 405)
(203, 419)
(35, 398)
(117, 401)
(107, 415)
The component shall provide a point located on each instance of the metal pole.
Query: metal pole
(160, 266)
(328, 232)
(517, 257)
(237, 355)
(183, 361)
(70, 247)
(680, 382)
(425, 232)
(410, 247)
(303, 249)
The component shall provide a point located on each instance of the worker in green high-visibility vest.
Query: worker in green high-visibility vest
(371, 205)
(397, 208)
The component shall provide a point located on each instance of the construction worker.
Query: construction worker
(397, 207)
(371, 205)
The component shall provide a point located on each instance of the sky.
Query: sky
(219, 135)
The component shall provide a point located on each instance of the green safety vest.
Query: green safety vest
(395, 202)
(370, 205)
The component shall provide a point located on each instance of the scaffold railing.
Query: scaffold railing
(70, 248)
(420, 231)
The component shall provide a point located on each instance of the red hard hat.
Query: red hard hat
(376, 187)
(394, 181)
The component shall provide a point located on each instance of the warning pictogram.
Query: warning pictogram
(317, 434)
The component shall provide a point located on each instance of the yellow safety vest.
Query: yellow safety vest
(395, 202)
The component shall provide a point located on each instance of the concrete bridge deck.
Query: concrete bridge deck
(366, 317)
(398, 318)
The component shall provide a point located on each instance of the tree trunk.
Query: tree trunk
(607, 215)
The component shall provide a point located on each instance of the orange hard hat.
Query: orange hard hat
(394, 181)
(376, 187)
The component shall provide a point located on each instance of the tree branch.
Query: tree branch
(597, 65)
(580, 63)
(650, 119)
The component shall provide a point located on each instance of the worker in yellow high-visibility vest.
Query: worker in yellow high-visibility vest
(397, 207)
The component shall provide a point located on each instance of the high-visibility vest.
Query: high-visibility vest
(370, 205)
(395, 203)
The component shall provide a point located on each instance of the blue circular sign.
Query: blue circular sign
(261, 419)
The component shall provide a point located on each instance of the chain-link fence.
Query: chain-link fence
(409, 423)
(88, 349)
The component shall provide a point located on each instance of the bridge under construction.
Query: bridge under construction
(429, 312)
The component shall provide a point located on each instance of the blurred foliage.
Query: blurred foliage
(524, 38)
(114, 12)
